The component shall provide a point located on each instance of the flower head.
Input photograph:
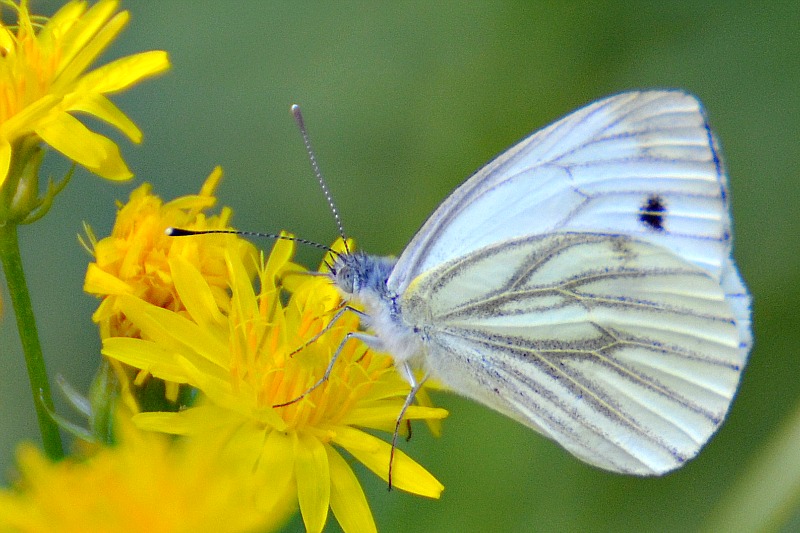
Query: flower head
(44, 82)
(147, 482)
(135, 260)
(267, 349)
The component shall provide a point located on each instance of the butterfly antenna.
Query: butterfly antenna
(180, 232)
(298, 118)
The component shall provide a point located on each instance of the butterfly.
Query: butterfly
(582, 283)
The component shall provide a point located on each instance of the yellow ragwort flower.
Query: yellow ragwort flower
(135, 259)
(264, 352)
(147, 482)
(44, 81)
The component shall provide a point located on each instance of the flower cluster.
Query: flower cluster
(248, 429)
(186, 310)
(257, 353)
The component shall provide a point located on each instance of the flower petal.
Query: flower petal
(313, 481)
(188, 422)
(424, 400)
(101, 107)
(124, 72)
(275, 465)
(209, 187)
(91, 36)
(384, 416)
(175, 332)
(60, 23)
(348, 502)
(407, 474)
(100, 282)
(95, 152)
(196, 295)
(139, 353)
(71, 30)
(31, 116)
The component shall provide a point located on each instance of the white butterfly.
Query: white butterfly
(581, 283)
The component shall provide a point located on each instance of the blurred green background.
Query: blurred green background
(403, 101)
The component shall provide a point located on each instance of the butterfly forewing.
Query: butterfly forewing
(595, 170)
(643, 164)
(737, 296)
(622, 351)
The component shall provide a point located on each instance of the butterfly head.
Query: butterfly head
(358, 274)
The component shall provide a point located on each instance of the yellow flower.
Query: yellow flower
(135, 259)
(147, 482)
(43, 81)
(264, 352)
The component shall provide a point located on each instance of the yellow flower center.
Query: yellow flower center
(27, 69)
(289, 372)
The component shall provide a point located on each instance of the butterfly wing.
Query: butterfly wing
(643, 164)
(621, 351)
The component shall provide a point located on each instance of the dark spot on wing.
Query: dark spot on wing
(652, 213)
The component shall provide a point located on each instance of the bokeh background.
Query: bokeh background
(404, 100)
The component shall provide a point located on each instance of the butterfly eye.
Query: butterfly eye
(346, 279)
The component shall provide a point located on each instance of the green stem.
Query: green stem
(26, 324)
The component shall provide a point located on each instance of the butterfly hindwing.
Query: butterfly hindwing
(621, 351)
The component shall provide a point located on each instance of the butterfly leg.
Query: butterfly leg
(408, 374)
(369, 340)
(342, 310)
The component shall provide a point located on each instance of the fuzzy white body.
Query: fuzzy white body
(383, 314)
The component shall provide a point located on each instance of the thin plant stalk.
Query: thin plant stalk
(29, 336)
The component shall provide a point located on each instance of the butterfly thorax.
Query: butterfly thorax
(363, 278)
